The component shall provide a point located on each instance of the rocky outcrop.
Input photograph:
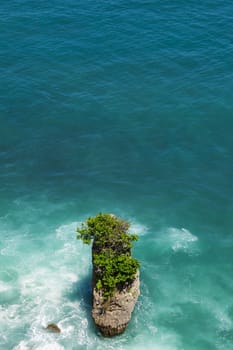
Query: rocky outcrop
(115, 281)
(52, 327)
(112, 316)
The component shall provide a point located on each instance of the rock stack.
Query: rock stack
(113, 315)
(115, 280)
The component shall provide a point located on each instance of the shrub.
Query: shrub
(113, 264)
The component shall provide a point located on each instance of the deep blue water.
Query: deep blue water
(121, 107)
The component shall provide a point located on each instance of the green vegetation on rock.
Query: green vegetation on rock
(114, 267)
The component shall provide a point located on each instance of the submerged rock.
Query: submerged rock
(112, 316)
(53, 328)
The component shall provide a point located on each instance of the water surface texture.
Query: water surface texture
(122, 107)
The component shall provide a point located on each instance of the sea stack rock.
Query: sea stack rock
(113, 315)
(115, 283)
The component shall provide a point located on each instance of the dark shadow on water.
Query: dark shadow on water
(82, 291)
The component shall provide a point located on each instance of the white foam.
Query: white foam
(181, 239)
(46, 280)
(24, 345)
(10, 248)
(64, 232)
(138, 229)
(4, 287)
(41, 281)
(225, 322)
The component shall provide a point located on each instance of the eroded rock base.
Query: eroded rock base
(113, 315)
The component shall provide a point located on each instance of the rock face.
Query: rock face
(113, 315)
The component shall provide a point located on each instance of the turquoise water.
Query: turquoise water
(121, 107)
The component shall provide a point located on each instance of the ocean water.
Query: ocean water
(121, 107)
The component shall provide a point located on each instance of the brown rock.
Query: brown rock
(113, 315)
(53, 328)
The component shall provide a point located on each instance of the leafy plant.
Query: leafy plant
(113, 264)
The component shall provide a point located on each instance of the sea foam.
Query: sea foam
(181, 239)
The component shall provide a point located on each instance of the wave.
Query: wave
(181, 239)
(138, 229)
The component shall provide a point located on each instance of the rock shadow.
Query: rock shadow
(82, 291)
